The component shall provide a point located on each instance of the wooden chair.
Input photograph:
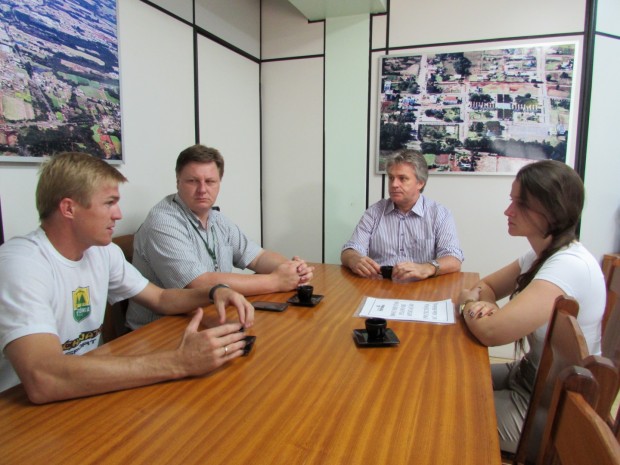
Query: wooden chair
(611, 334)
(610, 345)
(610, 263)
(564, 346)
(575, 434)
(115, 315)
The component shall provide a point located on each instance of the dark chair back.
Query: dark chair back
(610, 263)
(115, 315)
(611, 335)
(564, 346)
(575, 434)
(610, 346)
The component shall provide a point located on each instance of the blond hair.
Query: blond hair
(73, 175)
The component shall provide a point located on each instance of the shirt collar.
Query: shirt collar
(190, 215)
(418, 209)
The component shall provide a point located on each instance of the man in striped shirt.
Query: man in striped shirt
(409, 231)
(185, 243)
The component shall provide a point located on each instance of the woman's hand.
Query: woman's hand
(480, 309)
(469, 294)
(474, 307)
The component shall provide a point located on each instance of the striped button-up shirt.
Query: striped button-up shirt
(388, 236)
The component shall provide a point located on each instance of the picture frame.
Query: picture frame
(480, 108)
(60, 80)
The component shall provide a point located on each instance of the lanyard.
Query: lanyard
(210, 251)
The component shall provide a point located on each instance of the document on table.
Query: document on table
(441, 312)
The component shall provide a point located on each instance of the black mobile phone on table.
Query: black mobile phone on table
(270, 306)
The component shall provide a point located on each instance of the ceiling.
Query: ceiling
(316, 10)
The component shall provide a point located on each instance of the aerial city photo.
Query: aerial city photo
(59, 79)
(483, 111)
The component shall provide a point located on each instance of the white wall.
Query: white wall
(230, 121)
(235, 21)
(292, 131)
(182, 8)
(444, 21)
(608, 12)
(287, 33)
(292, 168)
(157, 91)
(600, 226)
(346, 128)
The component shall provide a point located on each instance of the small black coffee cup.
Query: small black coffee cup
(304, 293)
(386, 271)
(375, 328)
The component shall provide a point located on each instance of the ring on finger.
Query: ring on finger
(225, 350)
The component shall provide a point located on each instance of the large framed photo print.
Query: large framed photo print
(59, 79)
(485, 109)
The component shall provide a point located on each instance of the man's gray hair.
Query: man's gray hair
(413, 158)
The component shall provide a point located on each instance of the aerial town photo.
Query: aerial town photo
(59, 79)
(482, 111)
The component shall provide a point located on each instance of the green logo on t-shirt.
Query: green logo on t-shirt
(81, 303)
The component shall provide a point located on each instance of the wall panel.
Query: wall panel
(608, 17)
(234, 21)
(442, 21)
(285, 32)
(600, 227)
(157, 104)
(292, 128)
(184, 9)
(346, 110)
(230, 121)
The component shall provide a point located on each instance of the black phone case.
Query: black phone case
(270, 306)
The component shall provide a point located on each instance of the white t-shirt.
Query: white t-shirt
(43, 292)
(574, 270)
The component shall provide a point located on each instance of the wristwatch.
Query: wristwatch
(435, 263)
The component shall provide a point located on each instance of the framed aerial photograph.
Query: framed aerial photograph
(59, 79)
(482, 110)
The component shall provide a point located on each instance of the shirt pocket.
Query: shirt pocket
(225, 258)
(420, 250)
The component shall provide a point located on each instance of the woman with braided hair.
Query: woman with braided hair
(547, 198)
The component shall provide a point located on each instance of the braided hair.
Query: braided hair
(559, 190)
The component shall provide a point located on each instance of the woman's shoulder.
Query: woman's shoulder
(572, 260)
(574, 252)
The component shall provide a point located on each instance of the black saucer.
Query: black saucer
(315, 299)
(361, 339)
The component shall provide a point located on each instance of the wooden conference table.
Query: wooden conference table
(305, 395)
